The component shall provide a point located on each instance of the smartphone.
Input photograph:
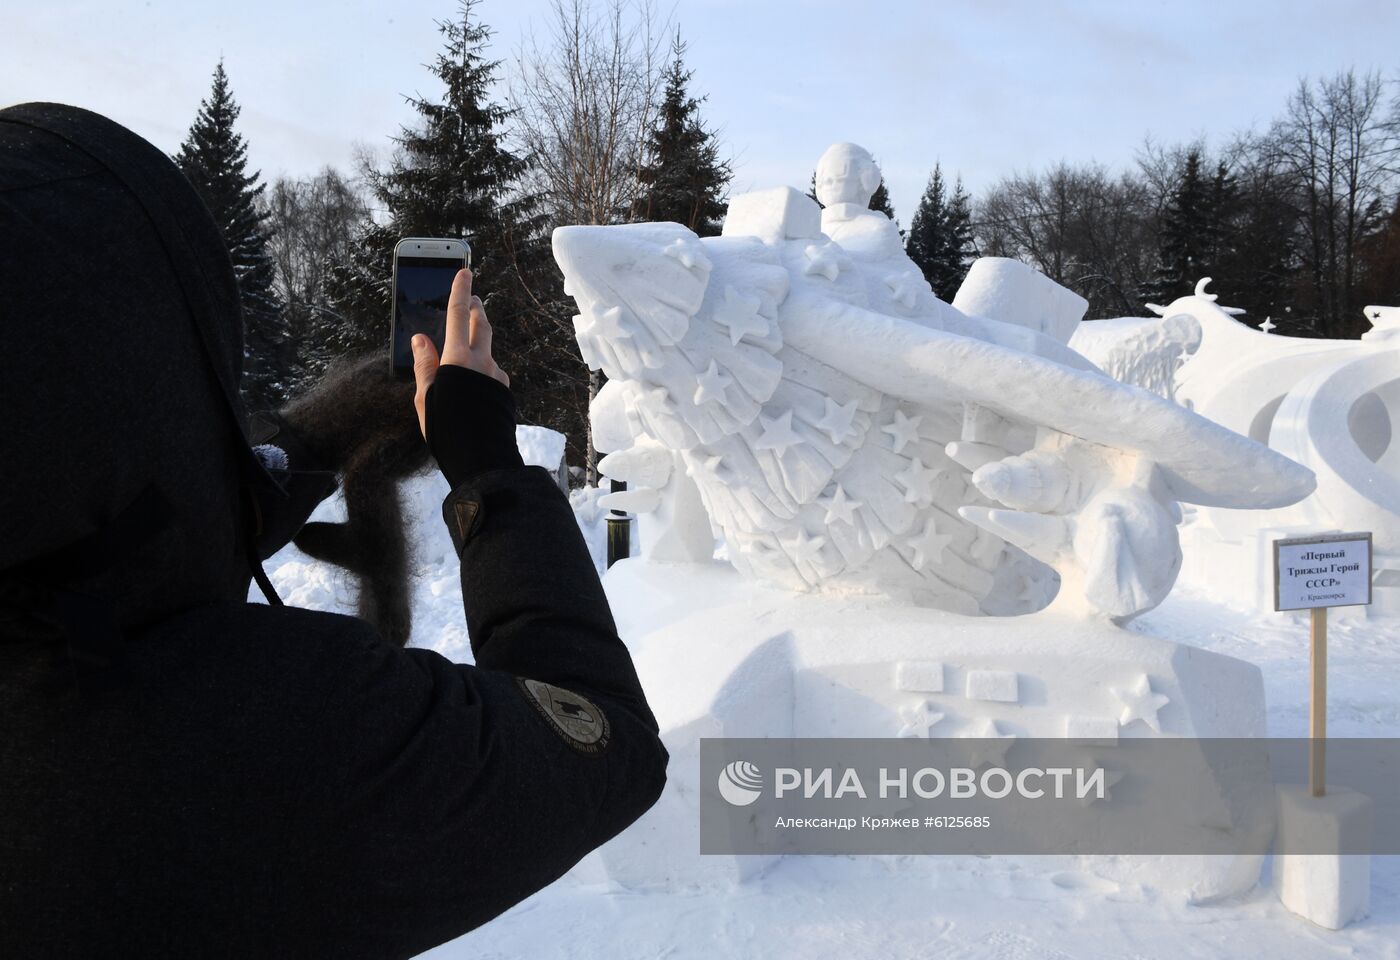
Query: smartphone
(424, 268)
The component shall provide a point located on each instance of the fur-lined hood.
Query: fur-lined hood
(122, 349)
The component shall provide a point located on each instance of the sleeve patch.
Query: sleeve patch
(580, 721)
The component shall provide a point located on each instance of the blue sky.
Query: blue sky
(987, 88)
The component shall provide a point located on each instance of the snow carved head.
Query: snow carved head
(846, 173)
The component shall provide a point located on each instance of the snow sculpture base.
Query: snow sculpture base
(1331, 890)
(721, 656)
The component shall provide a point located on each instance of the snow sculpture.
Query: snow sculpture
(1144, 351)
(1331, 405)
(794, 388)
(844, 428)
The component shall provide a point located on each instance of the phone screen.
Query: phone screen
(421, 288)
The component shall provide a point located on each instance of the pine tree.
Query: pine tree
(214, 158)
(1221, 211)
(684, 179)
(453, 176)
(1186, 236)
(880, 200)
(1243, 257)
(1380, 262)
(1252, 227)
(940, 235)
(1266, 253)
(450, 176)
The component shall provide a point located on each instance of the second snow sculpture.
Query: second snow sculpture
(1331, 405)
(796, 386)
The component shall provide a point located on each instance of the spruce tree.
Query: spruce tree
(1263, 246)
(940, 235)
(453, 176)
(684, 179)
(880, 200)
(1221, 254)
(450, 176)
(214, 158)
(1186, 236)
(1221, 211)
(1380, 261)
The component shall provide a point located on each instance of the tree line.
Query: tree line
(598, 123)
(1299, 221)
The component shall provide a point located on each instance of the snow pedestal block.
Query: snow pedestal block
(721, 656)
(738, 692)
(1012, 292)
(543, 447)
(1330, 889)
(773, 216)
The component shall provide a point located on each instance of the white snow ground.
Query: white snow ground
(954, 908)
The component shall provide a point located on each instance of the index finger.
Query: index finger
(459, 305)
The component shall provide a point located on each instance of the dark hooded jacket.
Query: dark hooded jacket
(185, 774)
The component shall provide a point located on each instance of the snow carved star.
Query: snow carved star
(929, 545)
(840, 507)
(918, 719)
(612, 323)
(740, 316)
(710, 384)
(992, 746)
(777, 433)
(685, 251)
(823, 259)
(904, 289)
(1268, 325)
(902, 429)
(838, 420)
(1140, 703)
(708, 469)
(917, 482)
(806, 549)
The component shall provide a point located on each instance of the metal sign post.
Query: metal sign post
(619, 530)
(1315, 573)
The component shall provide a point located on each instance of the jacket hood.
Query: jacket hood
(119, 372)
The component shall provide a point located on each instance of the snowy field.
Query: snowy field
(914, 907)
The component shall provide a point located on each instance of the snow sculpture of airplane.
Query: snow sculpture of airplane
(845, 428)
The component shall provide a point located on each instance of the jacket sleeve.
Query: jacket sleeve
(534, 604)
(440, 794)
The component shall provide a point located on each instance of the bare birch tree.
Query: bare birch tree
(584, 97)
(313, 222)
(1079, 225)
(1339, 140)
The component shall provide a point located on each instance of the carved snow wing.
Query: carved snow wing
(837, 424)
(664, 312)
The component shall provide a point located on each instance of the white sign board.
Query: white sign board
(1331, 571)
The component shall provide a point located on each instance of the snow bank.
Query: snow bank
(540, 446)
(437, 591)
(839, 907)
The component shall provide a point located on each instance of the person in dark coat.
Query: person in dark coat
(186, 774)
